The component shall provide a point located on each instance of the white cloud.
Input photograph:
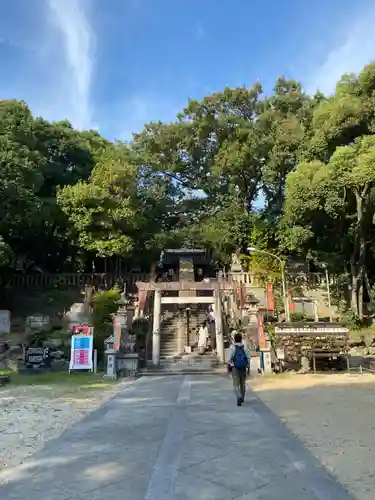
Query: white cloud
(353, 50)
(74, 58)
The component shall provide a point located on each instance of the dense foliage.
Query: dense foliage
(290, 173)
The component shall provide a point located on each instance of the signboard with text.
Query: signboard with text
(4, 321)
(82, 348)
(38, 357)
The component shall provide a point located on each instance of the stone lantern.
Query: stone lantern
(110, 355)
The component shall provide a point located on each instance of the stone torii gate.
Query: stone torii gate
(217, 286)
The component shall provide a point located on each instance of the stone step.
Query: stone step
(186, 365)
(148, 372)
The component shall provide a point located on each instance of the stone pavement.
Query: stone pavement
(177, 437)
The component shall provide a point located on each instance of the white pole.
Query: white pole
(286, 300)
(283, 280)
(329, 295)
(95, 360)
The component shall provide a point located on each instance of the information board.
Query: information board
(81, 354)
(38, 357)
(4, 321)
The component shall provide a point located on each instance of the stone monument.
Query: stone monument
(236, 266)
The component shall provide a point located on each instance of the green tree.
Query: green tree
(103, 209)
(329, 209)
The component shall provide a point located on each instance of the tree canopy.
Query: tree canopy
(290, 173)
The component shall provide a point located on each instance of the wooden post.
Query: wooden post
(314, 362)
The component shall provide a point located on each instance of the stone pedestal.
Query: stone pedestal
(267, 364)
(219, 328)
(255, 365)
(127, 364)
(111, 364)
(236, 266)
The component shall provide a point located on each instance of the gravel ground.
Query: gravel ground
(334, 416)
(31, 416)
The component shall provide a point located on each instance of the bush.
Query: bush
(351, 320)
(104, 305)
(298, 317)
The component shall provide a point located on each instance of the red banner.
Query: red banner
(261, 335)
(238, 295)
(291, 303)
(270, 298)
(243, 295)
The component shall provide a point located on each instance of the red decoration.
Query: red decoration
(270, 298)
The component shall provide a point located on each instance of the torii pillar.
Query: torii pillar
(156, 329)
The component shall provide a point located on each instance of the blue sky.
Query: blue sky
(116, 64)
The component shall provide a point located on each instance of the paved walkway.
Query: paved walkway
(178, 438)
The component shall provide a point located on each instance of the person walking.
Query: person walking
(211, 329)
(202, 338)
(239, 365)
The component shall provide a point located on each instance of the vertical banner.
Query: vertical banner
(270, 298)
(261, 335)
(240, 295)
(243, 296)
(237, 296)
(292, 306)
(82, 347)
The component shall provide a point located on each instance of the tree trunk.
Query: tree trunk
(360, 301)
(354, 286)
(369, 291)
(361, 242)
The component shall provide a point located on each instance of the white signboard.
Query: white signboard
(4, 321)
(37, 321)
(280, 354)
(81, 353)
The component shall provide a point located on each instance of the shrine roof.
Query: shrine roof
(173, 255)
(185, 251)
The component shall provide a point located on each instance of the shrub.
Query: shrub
(104, 305)
(351, 320)
(298, 317)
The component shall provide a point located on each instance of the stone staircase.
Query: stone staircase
(186, 364)
(197, 317)
(320, 296)
(173, 330)
(169, 330)
(173, 333)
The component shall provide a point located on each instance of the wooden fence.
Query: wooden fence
(41, 280)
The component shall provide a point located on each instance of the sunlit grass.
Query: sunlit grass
(74, 381)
